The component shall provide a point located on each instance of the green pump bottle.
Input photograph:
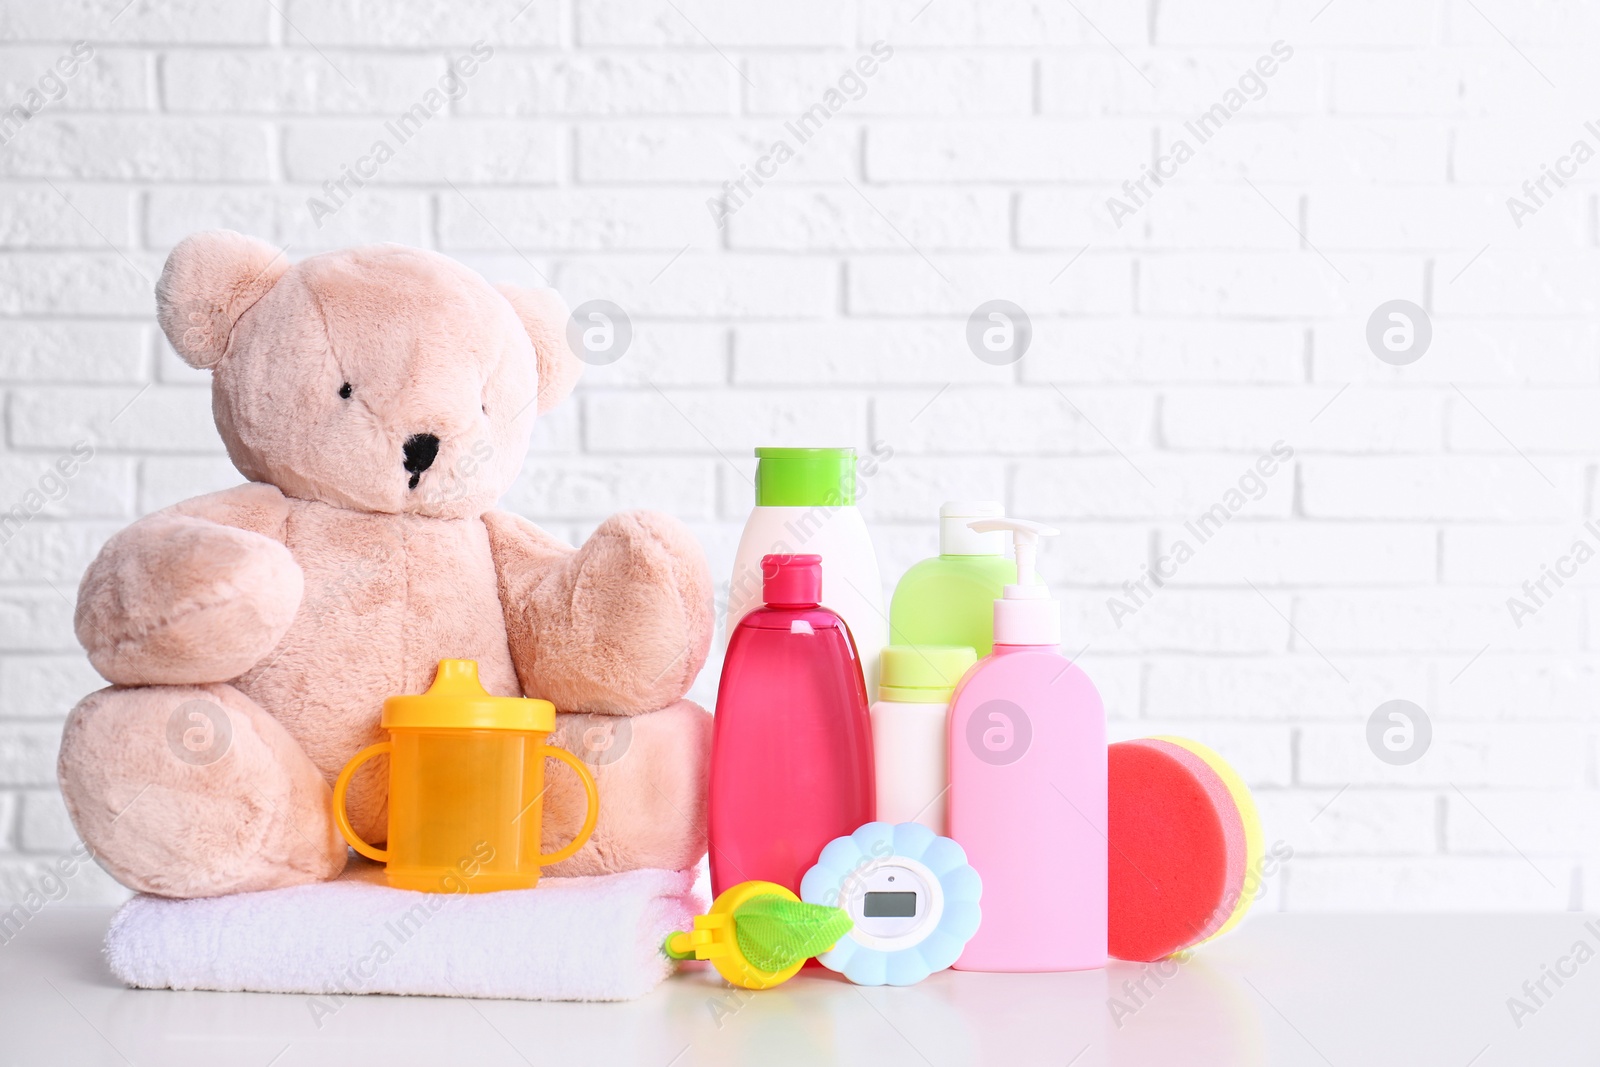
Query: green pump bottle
(949, 599)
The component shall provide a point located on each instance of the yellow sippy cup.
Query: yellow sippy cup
(466, 787)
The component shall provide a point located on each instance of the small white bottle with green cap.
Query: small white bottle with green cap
(806, 503)
(910, 731)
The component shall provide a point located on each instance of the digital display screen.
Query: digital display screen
(890, 906)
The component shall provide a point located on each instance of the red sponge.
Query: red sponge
(1182, 832)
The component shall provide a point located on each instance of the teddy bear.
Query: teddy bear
(378, 401)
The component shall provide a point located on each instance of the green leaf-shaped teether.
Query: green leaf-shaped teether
(775, 933)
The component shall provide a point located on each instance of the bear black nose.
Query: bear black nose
(420, 450)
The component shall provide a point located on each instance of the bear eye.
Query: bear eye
(344, 391)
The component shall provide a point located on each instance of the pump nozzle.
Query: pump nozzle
(1025, 536)
(1026, 615)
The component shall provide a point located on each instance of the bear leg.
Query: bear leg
(651, 772)
(195, 791)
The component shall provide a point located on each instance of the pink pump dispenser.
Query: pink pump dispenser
(791, 751)
(1028, 785)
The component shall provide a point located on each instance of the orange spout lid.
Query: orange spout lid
(458, 701)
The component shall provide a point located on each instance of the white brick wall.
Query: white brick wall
(1228, 313)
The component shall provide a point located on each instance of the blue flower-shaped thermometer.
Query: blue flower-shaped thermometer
(910, 894)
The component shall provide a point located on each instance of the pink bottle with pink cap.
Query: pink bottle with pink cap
(791, 751)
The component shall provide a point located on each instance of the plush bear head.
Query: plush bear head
(383, 379)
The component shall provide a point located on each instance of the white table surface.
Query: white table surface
(1283, 989)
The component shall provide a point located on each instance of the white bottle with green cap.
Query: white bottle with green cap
(910, 731)
(806, 504)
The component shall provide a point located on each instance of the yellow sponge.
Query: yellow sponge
(1186, 847)
(1254, 842)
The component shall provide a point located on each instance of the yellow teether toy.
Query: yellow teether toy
(757, 934)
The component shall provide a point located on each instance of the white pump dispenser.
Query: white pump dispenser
(1026, 615)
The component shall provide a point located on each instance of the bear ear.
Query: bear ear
(544, 316)
(210, 280)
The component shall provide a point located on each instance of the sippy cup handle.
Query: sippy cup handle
(342, 817)
(592, 800)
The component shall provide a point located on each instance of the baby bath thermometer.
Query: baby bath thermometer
(911, 897)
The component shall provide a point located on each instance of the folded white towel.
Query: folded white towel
(570, 939)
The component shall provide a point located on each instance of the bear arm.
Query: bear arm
(253, 506)
(195, 594)
(619, 626)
